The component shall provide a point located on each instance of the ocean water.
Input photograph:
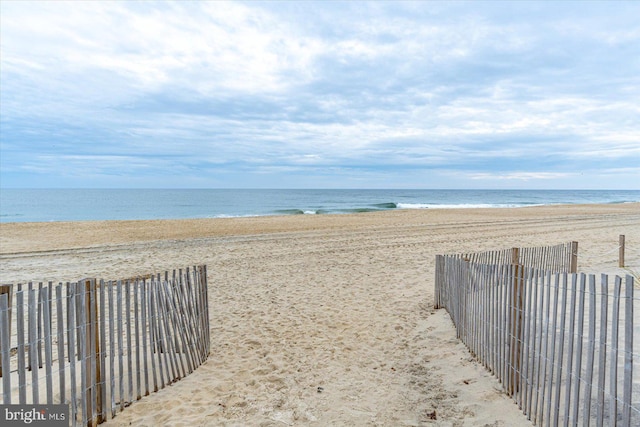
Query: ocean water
(42, 205)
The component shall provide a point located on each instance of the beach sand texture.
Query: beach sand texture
(321, 319)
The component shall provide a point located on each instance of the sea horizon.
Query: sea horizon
(93, 204)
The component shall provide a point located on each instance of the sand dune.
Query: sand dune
(320, 320)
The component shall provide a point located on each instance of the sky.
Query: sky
(505, 95)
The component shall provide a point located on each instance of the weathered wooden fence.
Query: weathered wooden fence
(98, 346)
(559, 258)
(560, 343)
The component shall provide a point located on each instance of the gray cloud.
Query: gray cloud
(252, 94)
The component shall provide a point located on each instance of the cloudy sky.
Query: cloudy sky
(320, 95)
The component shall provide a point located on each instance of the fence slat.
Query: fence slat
(570, 343)
(71, 335)
(552, 353)
(39, 329)
(602, 349)
(5, 350)
(102, 348)
(534, 352)
(204, 290)
(163, 349)
(540, 350)
(628, 352)
(145, 326)
(60, 337)
(82, 323)
(524, 336)
(93, 341)
(506, 320)
(47, 343)
(613, 375)
(563, 316)
(579, 338)
(30, 338)
(33, 351)
(190, 323)
(591, 351)
(22, 368)
(155, 349)
(120, 345)
(112, 350)
(137, 336)
(127, 290)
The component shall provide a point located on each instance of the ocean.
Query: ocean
(43, 205)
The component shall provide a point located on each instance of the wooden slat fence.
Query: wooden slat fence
(560, 343)
(558, 259)
(99, 346)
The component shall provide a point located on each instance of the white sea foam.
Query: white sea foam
(456, 206)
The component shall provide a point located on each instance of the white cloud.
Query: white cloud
(520, 176)
(208, 47)
(341, 86)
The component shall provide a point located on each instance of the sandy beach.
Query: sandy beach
(321, 320)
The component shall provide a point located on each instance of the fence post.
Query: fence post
(573, 267)
(517, 302)
(7, 289)
(92, 338)
(621, 252)
(436, 296)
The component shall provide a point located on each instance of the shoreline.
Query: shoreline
(57, 235)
